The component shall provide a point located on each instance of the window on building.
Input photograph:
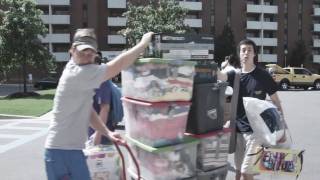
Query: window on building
(268, 2)
(44, 9)
(256, 2)
(300, 6)
(268, 34)
(60, 47)
(114, 30)
(60, 29)
(116, 13)
(300, 34)
(285, 23)
(316, 36)
(285, 6)
(253, 33)
(60, 10)
(268, 50)
(212, 20)
(316, 51)
(259, 49)
(85, 13)
(193, 15)
(116, 47)
(253, 17)
(269, 18)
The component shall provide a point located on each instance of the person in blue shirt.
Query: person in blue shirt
(102, 105)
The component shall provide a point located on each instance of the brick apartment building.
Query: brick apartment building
(275, 25)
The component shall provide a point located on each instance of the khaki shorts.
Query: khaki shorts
(246, 144)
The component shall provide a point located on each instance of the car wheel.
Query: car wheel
(317, 85)
(284, 85)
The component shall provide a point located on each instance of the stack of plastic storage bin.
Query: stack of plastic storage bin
(205, 121)
(156, 101)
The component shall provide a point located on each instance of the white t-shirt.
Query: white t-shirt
(72, 106)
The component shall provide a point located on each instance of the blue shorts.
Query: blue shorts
(66, 165)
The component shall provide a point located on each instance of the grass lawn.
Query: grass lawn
(31, 106)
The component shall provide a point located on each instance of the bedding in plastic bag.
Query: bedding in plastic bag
(103, 162)
(265, 120)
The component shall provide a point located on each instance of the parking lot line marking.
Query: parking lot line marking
(23, 128)
(11, 136)
(22, 140)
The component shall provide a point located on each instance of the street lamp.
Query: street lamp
(285, 57)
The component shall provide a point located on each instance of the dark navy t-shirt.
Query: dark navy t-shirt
(257, 83)
(102, 96)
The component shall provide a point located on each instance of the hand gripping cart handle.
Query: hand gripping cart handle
(123, 162)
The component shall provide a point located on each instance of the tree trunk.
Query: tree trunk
(24, 75)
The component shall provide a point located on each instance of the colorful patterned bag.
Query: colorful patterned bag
(278, 161)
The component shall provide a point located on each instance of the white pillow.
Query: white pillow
(265, 120)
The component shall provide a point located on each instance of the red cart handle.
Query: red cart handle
(123, 162)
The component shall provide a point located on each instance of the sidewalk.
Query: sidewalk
(47, 116)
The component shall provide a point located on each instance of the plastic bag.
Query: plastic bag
(103, 162)
(265, 120)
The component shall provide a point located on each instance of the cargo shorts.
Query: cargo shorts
(246, 144)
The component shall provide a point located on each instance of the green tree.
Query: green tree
(161, 16)
(298, 54)
(20, 45)
(224, 44)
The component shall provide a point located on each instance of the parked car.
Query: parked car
(294, 76)
(46, 83)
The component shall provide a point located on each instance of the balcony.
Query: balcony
(269, 58)
(55, 19)
(117, 4)
(316, 27)
(56, 38)
(265, 41)
(192, 6)
(262, 25)
(194, 23)
(116, 39)
(61, 56)
(262, 9)
(316, 11)
(316, 42)
(316, 59)
(51, 2)
(117, 21)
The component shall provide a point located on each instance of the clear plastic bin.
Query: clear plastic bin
(155, 124)
(155, 79)
(213, 149)
(166, 163)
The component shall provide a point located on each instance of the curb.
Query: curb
(17, 116)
